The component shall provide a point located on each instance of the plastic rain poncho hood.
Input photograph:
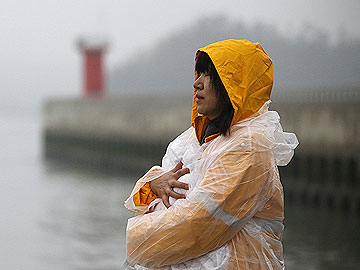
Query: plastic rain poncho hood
(233, 212)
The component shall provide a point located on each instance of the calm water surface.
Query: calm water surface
(60, 218)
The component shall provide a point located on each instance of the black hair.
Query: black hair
(224, 107)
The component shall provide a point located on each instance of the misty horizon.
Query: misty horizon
(310, 60)
(39, 57)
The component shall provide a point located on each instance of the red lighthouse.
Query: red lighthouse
(93, 69)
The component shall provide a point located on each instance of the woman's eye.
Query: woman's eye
(204, 73)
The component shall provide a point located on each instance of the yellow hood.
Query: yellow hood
(247, 74)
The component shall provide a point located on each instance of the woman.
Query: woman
(227, 211)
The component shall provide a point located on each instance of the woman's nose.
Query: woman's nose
(199, 82)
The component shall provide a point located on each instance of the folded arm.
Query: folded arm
(232, 191)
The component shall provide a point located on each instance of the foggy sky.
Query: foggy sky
(38, 56)
(307, 61)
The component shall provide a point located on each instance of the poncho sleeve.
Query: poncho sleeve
(233, 189)
(141, 197)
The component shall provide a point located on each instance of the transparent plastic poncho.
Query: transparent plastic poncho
(233, 212)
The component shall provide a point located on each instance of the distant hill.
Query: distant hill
(306, 61)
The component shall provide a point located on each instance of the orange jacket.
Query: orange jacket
(233, 211)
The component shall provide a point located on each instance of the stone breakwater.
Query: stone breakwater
(131, 132)
(116, 132)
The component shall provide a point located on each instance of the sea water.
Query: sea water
(59, 217)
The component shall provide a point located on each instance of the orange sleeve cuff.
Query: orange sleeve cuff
(144, 196)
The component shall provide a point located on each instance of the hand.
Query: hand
(163, 186)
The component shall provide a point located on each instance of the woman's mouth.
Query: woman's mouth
(199, 97)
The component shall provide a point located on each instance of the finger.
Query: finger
(165, 199)
(177, 167)
(179, 184)
(176, 195)
(181, 172)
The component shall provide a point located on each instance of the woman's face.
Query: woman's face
(206, 97)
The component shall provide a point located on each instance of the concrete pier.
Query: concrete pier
(131, 132)
(325, 171)
(128, 132)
